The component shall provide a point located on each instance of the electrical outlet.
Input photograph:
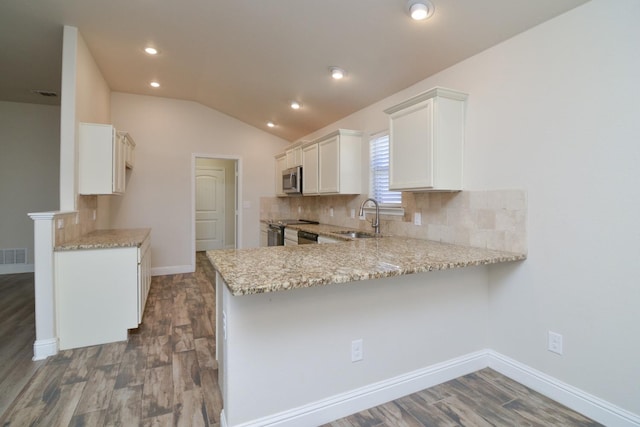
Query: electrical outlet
(330, 211)
(353, 213)
(417, 218)
(60, 223)
(94, 214)
(356, 350)
(555, 342)
(299, 209)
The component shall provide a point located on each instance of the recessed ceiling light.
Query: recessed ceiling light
(295, 105)
(337, 73)
(154, 84)
(271, 124)
(420, 10)
(151, 50)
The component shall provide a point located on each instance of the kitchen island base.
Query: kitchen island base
(285, 357)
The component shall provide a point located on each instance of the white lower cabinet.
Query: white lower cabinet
(324, 239)
(100, 293)
(290, 237)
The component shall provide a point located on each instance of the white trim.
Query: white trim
(341, 405)
(16, 268)
(344, 404)
(173, 269)
(570, 396)
(45, 348)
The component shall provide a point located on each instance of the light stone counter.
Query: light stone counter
(271, 269)
(104, 239)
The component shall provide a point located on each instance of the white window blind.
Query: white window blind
(379, 166)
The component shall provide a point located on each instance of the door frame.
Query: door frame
(238, 187)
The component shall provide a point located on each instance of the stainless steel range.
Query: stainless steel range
(276, 229)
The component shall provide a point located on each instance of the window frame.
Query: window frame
(393, 208)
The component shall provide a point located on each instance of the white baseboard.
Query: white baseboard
(172, 269)
(45, 348)
(16, 268)
(357, 400)
(572, 397)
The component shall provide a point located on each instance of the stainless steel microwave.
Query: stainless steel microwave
(292, 180)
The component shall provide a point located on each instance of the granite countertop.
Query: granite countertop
(103, 239)
(260, 270)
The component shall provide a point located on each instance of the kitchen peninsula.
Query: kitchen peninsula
(407, 302)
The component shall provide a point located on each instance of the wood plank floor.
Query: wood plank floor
(166, 375)
(17, 334)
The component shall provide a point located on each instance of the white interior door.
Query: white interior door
(210, 219)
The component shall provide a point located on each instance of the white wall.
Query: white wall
(167, 132)
(29, 170)
(85, 97)
(555, 111)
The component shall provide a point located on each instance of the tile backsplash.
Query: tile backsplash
(493, 219)
(75, 224)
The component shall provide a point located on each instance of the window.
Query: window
(379, 166)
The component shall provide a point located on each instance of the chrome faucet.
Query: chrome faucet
(375, 223)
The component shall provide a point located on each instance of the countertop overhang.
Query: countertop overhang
(272, 269)
(105, 239)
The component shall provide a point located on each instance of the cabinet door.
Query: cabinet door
(329, 165)
(411, 147)
(119, 159)
(294, 157)
(281, 164)
(310, 170)
(144, 277)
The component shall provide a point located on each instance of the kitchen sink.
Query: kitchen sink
(355, 234)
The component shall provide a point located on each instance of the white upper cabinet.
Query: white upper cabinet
(339, 163)
(102, 156)
(310, 169)
(426, 141)
(294, 155)
(281, 164)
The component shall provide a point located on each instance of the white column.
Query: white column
(46, 343)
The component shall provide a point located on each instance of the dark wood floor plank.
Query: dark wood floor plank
(157, 396)
(125, 407)
(159, 350)
(132, 368)
(89, 419)
(111, 354)
(97, 393)
(211, 394)
(428, 414)
(205, 352)
(81, 364)
(60, 410)
(165, 420)
(183, 338)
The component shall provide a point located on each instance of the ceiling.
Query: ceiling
(250, 58)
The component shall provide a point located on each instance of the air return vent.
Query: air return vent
(46, 93)
(13, 256)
